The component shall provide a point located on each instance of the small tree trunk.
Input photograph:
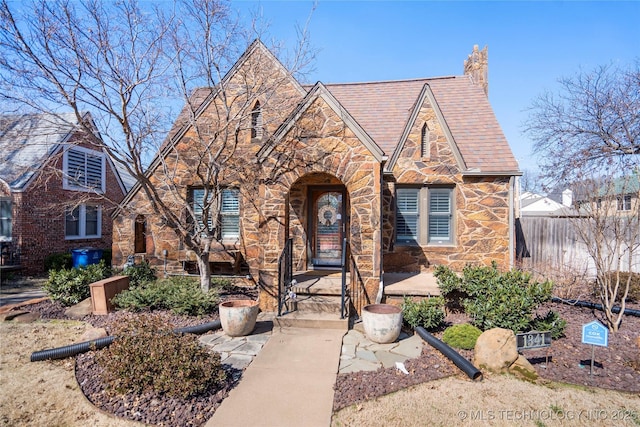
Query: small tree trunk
(205, 270)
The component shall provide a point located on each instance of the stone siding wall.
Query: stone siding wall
(481, 206)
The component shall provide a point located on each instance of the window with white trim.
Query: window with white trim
(624, 202)
(229, 212)
(424, 215)
(5, 219)
(83, 170)
(83, 222)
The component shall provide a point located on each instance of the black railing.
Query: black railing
(343, 263)
(285, 276)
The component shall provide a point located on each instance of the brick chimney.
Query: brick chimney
(477, 66)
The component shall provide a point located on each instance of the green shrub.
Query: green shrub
(58, 261)
(181, 295)
(428, 313)
(148, 356)
(550, 322)
(461, 336)
(634, 285)
(494, 299)
(70, 286)
(140, 274)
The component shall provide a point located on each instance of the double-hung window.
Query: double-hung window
(624, 202)
(5, 219)
(424, 215)
(83, 170)
(83, 222)
(229, 212)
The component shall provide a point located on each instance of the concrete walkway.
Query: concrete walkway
(289, 383)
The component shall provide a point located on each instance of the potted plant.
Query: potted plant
(238, 317)
(382, 322)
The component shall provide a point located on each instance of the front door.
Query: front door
(328, 230)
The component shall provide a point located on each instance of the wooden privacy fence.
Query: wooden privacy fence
(552, 242)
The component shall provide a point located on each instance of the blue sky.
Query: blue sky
(531, 44)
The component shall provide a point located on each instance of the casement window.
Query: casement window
(256, 122)
(229, 212)
(424, 215)
(5, 219)
(83, 170)
(624, 202)
(83, 222)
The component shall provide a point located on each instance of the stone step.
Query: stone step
(320, 303)
(299, 319)
(309, 285)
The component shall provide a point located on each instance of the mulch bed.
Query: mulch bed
(617, 367)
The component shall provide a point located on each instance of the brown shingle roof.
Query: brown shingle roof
(383, 109)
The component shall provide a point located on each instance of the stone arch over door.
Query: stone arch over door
(318, 219)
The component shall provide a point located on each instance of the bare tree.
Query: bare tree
(588, 137)
(129, 64)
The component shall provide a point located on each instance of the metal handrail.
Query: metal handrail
(344, 277)
(285, 274)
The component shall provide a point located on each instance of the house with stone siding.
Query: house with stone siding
(57, 189)
(352, 183)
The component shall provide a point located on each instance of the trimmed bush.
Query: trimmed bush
(428, 313)
(461, 336)
(148, 356)
(70, 286)
(58, 261)
(550, 322)
(494, 299)
(140, 274)
(181, 295)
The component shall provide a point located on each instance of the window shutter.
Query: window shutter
(440, 215)
(407, 213)
(230, 214)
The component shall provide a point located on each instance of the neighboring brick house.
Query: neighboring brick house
(413, 173)
(57, 189)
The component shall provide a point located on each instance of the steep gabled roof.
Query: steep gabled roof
(27, 141)
(384, 109)
(320, 91)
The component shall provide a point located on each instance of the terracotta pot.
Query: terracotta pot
(238, 317)
(382, 322)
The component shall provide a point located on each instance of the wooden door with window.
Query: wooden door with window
(327, 220)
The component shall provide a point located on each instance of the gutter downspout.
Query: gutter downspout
(512, 225)
(380, 227)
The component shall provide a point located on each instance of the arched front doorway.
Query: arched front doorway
(318, 218)
(327, 226)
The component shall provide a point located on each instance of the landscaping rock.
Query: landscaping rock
(27, 317)
(93, 334)
(496, 350)
(80, 310)
(523, 369)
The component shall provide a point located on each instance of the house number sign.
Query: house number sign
(533, 339)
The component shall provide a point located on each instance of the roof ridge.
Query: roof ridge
(417, 79)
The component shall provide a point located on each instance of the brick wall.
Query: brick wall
(38, 214)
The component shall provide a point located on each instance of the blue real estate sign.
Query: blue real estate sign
(595, 333)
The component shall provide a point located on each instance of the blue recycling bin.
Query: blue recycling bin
(85, 256)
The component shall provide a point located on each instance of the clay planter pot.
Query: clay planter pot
(238, 317)
(382, 322)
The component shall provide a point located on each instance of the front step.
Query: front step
(318, 303)
(299, 319)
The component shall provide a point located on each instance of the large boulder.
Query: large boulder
(523, 369)
(496, 350)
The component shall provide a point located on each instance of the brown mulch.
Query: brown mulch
(616, 367)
